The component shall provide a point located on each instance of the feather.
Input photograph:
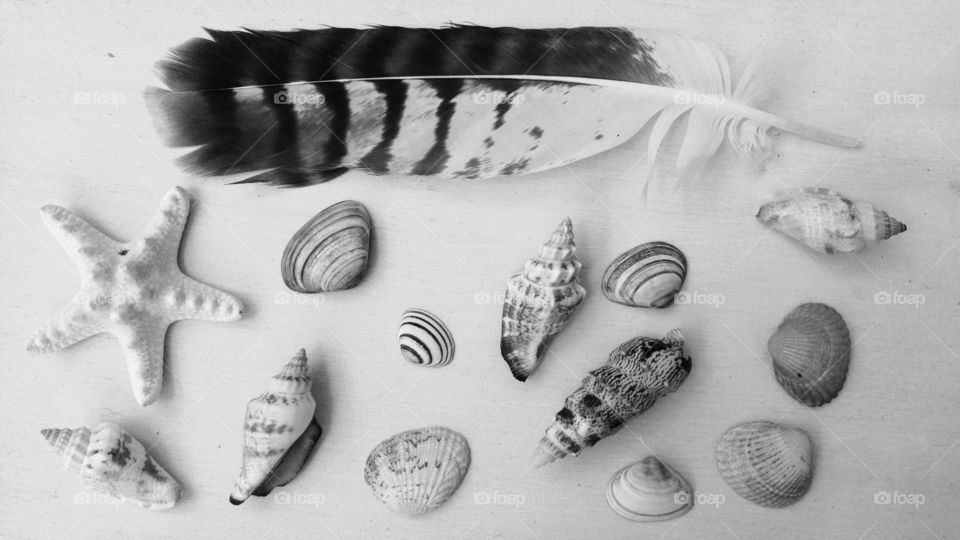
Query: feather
(305, 106)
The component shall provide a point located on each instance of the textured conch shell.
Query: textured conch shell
(424, 339)
(279, 432)
(638, 372)
(766, 463)
(110, 460)
(827, 221)
(649, 275)
(811, 353)
(539, 301)
(330, 252)
(417, 470)
(649, 490)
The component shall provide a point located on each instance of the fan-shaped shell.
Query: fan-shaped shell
(649, 275)
(827, 221)
(649, 490)
(424, 339)
(417, 470)
(811, 353)
(766, 463)
(330, 252)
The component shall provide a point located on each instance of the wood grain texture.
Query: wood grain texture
(449, 247)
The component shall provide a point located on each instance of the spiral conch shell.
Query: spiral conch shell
(766, 463)
(649, 275)
(279, 432)
(811, 353)
(638, 372)
(649, 490)
(539, 301)
(827, 221)
(417, 470)
(110, 460)
(330, 252)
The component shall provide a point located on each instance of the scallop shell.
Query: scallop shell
(417, 470)
(649, 275)
(279, 432)
(649, 490)
(424, 339)
(811, 353)
(110, 460)
(330, 252)
(639, 372)
(766, 463)
(827, 221)
(539, 301)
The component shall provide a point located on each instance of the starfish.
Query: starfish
(133, 290)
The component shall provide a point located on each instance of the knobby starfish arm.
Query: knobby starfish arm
(194, 300)
(74, 324)
(166, 229)
(142, 346)
(79, 238)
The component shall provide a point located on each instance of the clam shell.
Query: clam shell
(424, 339)
(649, 490)
(811, 353)
(330, 252)
(649, 275)
(827, 221)
(766, 463)
(417, 470)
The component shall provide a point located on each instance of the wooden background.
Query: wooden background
(449, 247)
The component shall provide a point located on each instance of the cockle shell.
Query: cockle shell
(539, 301)
(827, 221)
(649, 490)
(649, 275)
(417, 470)
(766, 463)
(638, 372)
(110, 460)
(330, 252)
(424, 339)
(279, 432)
(811, 353)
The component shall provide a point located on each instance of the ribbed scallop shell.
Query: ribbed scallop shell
(539, 301)
(110, 460)
(811, 353)
(827, 221)
(649, 490)
(639, 372)
(279, 432)
(417, 470)
(424, 339)
(330, 252)
(649, 275)
(766, 463)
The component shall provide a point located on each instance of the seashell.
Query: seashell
(110, 460)
(828, 222)
(417, 470)
(649, 275)
(539, 301)
(424, 339)
(811, 353)
(330, 252)
(638, 372)
(279, 432)
(649, 490)
(766, 463)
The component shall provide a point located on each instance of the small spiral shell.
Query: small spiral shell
(424, 339)
(649, 275)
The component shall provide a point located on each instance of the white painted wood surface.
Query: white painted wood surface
(449, 247)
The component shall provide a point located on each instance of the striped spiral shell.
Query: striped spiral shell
(424, 339)
(329, 252)
(649, 275)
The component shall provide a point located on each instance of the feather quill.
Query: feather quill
(305, 106)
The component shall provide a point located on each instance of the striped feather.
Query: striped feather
(305, 106)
